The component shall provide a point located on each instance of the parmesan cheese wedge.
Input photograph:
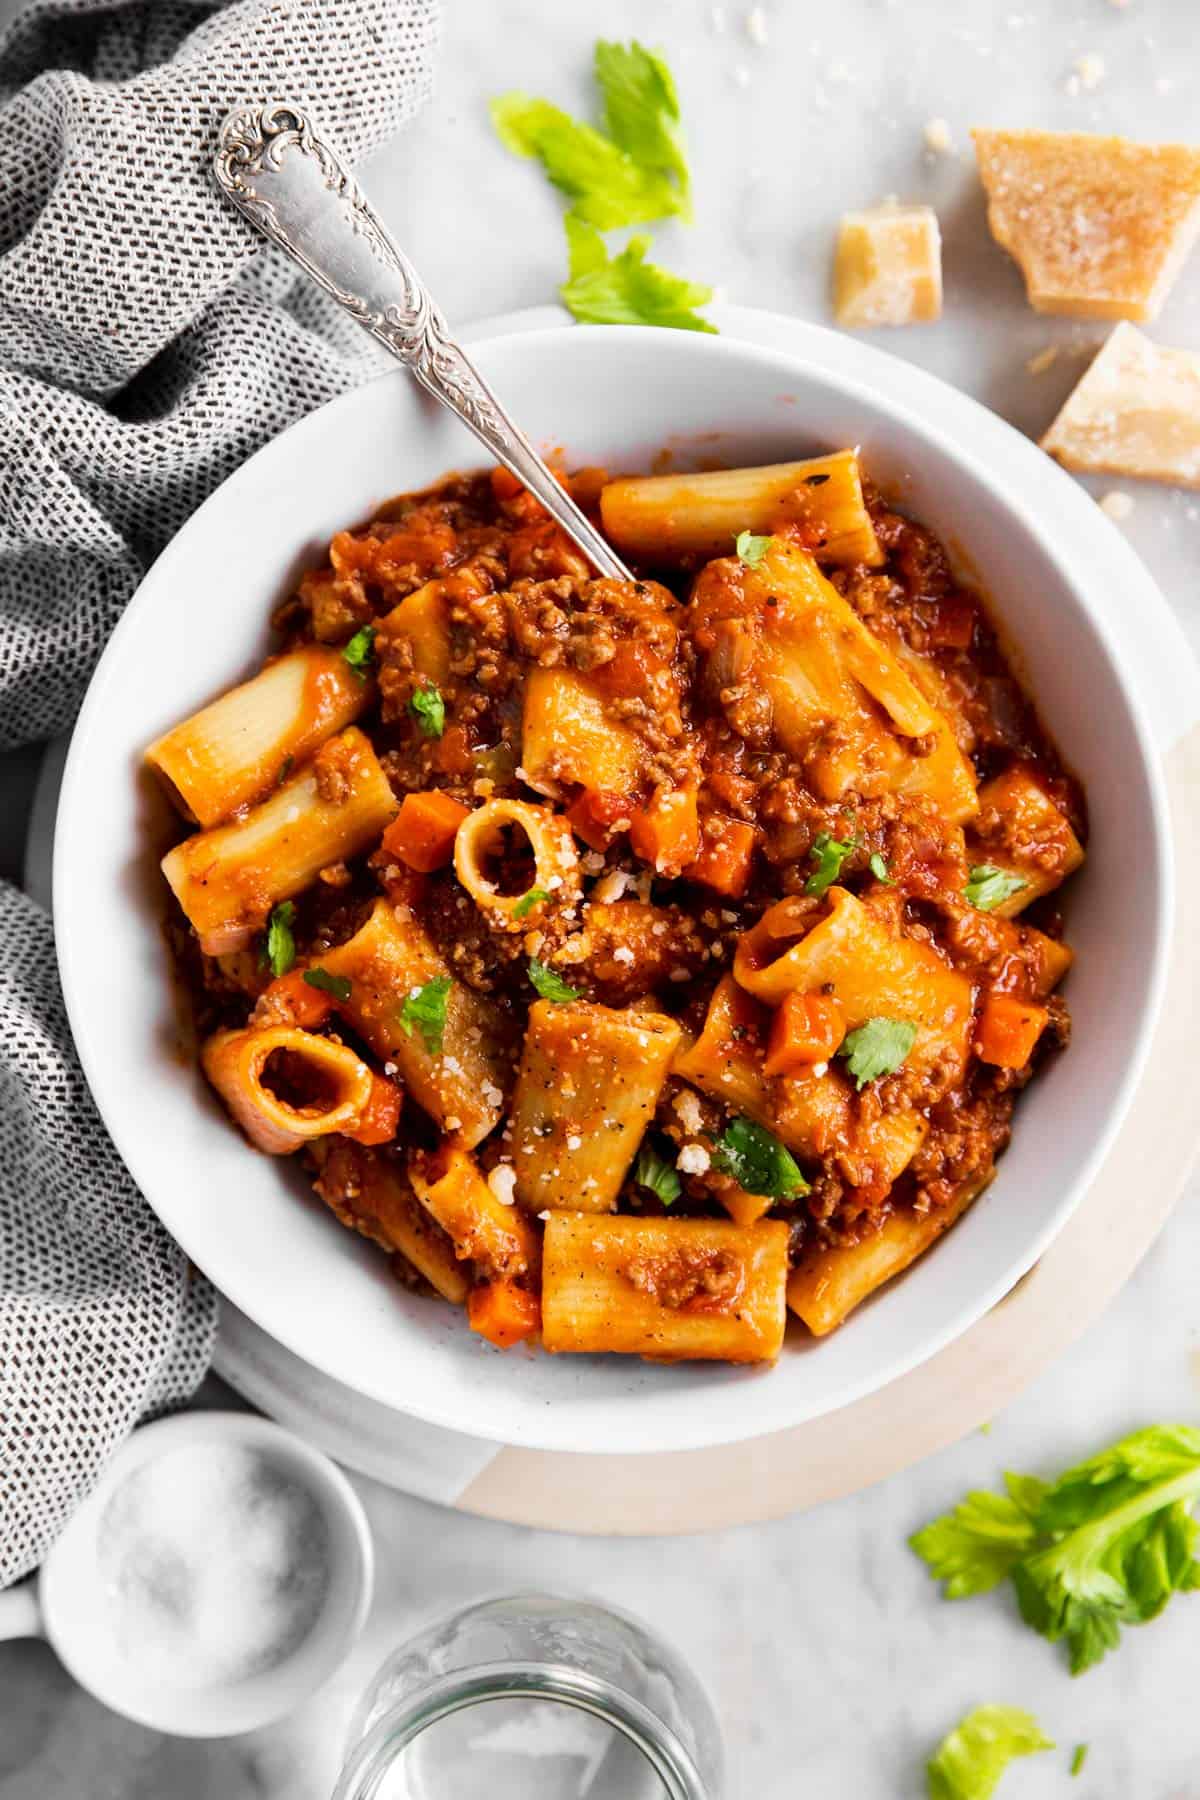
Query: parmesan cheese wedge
(1098, 226)
(888, 266)
(1136, 412)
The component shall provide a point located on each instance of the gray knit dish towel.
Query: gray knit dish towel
(148, 344)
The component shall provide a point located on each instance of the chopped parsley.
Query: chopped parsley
(828, 853)
(626, 289)
(879, 870)
(429, 710)
(989, 887)
(549, 983)
(877, 1048)
(337, 985)
(751, 549)
(1078, 1759)
(528, 901)
(1105, 1545)
(970, 1760)
(281, 945)
(654, 1172)
(757, 1161)
(425, 1011)
(360, 651)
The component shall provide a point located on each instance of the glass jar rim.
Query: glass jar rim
(487, 1683)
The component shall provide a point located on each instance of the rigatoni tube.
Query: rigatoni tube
(228, 879)
(234, 751)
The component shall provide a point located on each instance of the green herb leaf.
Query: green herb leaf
(829, 853)
(1111, 1541)
(1078, 1759)
(528, 901)
(626, 289)
(337, 985)
(989, 887)
(549, 983)
(429, 710)
(879, 870)
(969, 1762)
(654, 1172)
(281, 945)
(757, 1161)
(751, 549)
(425, 1011)
(877, 1048)
(360, 651)
(979, 1544)
(641, 112)
(608, 187)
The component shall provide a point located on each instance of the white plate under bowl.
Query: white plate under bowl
(1053, 569)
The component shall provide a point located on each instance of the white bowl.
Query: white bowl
(1044, 556)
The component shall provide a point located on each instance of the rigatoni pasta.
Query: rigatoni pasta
(635, 963)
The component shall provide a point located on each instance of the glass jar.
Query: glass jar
(534, 1697)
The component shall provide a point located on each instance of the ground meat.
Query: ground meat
(708, 1281)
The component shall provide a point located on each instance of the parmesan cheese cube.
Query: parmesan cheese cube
(1136, 412)
(888, 267)
(1098, 226)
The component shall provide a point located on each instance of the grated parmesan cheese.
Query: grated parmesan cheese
(623, 954)
(502, 1180)
(693, 1159)
(687, 1105)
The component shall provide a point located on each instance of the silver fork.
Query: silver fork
(296, 189)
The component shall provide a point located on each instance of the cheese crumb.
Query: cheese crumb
(1118, 505)
(453, 1124)
(623, 954)
(574, 1142)
(756, 25)
(1089, 73)
(389, 1068)
(593, 862)
(492, 1095)
(612, 886)
(687, 1105)
(820, 1069)
(937, 137)
(502, 1180)
(742, 75)
(693, 1159)
(545, 1215)
(1042, 359)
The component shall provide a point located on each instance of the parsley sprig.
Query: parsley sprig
(429, 710)
(326, 983)
(751, 549)
(360, 651)
(531, 898)
(757, 1161)
(424, 1010)
(828, 853)
(550, 984)
(989, 887)
(654, 1172)
(877, 1048)
(280, 951)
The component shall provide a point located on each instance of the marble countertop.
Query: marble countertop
(834, 1665)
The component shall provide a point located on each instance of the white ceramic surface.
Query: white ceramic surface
(1053, 568)
(71, 1605)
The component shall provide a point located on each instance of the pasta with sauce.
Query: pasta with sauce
(634, 963)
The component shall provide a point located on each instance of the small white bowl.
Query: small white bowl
(1055, 573)
(71, 1603)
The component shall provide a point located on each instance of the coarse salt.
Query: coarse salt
(574, 1142)
(756, 25)
(937, 136)
(1118, 505)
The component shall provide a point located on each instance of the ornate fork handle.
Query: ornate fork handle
(296, 189)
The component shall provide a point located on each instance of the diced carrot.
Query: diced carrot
(505, 485)
(290, 998)
(666, 832)
(423, 831)
(1008, 1030)
(592, 816)
(953, 626)
(503, 1313)
(381, 1115)
(726, 853)
(454, 753)
(807, 1028)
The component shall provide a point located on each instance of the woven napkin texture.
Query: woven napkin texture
(148, 343)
